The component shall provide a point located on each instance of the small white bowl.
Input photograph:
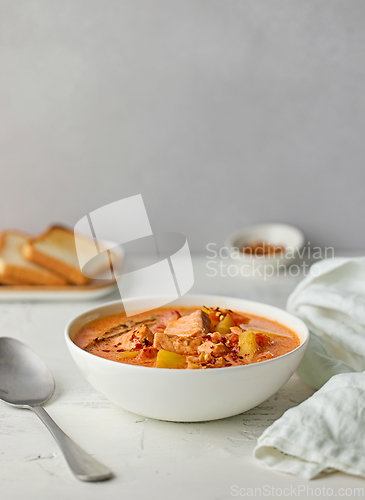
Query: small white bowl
(276, 234)
(188, 395)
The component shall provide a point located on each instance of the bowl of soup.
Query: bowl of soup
(198, 358)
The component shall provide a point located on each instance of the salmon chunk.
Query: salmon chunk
(146, 354)
(169, 316)
(236, 330)
(179, 344)
(209, 347)
(141, 335)
(216, 337)
(193, 325)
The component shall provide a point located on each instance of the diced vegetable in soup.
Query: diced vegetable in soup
(187, 338)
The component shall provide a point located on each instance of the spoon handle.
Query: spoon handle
(82, 465)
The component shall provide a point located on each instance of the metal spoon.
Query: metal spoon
(26, 382)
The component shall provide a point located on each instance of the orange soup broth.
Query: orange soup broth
(286, 341)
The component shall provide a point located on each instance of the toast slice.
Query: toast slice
(9, 281)
(16, 270)
(55, 250)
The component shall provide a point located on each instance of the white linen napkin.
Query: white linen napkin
(326, 432)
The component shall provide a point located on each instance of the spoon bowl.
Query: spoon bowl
(26, 382)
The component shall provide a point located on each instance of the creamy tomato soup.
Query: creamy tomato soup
(186, 338)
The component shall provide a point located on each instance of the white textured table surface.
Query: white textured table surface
(150, 459)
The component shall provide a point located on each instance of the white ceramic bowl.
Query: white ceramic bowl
(188, 395)
(277, 234)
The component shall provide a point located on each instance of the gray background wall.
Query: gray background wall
(221, 113)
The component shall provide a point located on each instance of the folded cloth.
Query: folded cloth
(331, 301)
(325, 432)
